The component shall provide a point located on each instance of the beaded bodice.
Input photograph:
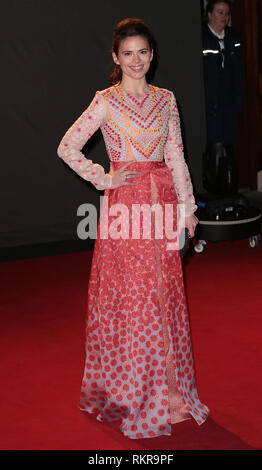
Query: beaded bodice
(134, 129)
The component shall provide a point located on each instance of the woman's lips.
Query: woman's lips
(136, 68)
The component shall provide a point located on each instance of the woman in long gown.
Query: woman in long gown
(139, 366)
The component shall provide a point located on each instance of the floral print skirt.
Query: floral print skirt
(139, 367)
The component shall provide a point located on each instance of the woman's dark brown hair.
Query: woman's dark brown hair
(125, 29)
(212, 3)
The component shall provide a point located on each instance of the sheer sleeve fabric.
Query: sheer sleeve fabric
(174, 158)
(75, 138)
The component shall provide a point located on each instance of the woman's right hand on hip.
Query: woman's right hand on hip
(123, 176)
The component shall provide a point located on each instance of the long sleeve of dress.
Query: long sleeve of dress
(75, 138)
(174, 158)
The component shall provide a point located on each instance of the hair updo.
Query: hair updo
(125, 29)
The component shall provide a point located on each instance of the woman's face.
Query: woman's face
(219, 17)
(134, 57)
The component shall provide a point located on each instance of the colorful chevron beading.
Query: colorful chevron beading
(136, 128)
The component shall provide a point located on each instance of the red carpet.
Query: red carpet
(43, 303)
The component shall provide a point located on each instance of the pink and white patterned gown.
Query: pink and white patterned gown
(139, 367)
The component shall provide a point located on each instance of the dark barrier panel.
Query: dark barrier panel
(54, 56)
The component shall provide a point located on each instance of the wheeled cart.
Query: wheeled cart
(240, 227)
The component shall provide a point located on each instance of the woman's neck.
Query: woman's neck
(134, 87)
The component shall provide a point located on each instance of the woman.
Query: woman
(223, 74)
(139, 367)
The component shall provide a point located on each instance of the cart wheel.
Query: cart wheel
(200, 246)
(254, 241)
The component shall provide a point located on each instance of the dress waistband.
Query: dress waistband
(162, 177)
(143, 167)
(136, 162)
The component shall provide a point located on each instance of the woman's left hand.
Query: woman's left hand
(190, 223)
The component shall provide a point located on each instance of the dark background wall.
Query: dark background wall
(54, 56)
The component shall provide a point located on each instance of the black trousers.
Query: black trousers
(222, 126)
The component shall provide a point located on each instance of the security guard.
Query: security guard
(223, 74)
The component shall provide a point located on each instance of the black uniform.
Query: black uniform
(224, 89)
